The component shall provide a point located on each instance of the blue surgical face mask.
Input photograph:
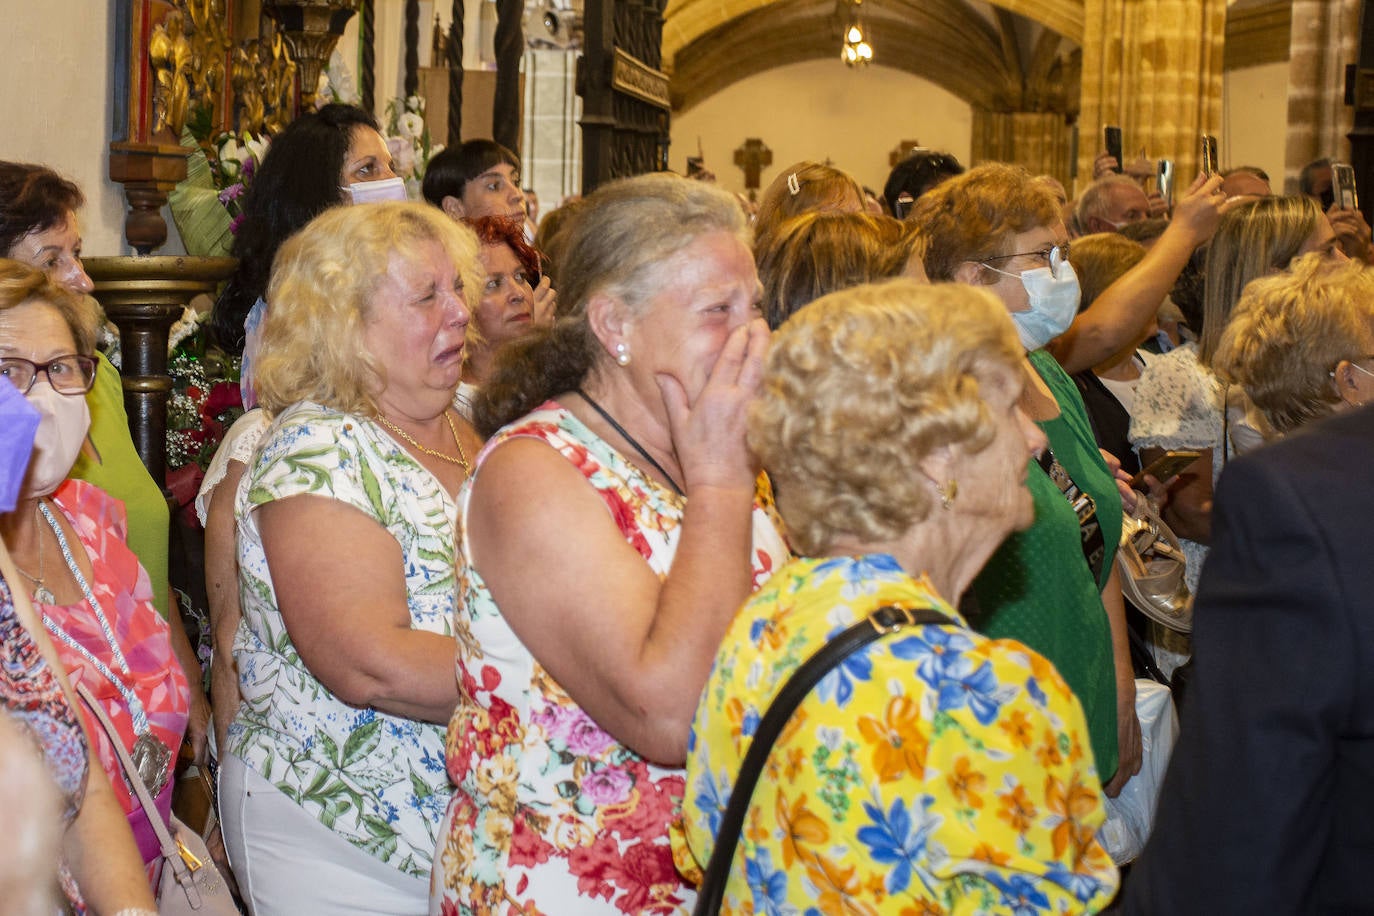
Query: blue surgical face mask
(18, 423)
(1053, 294)
(367, 192)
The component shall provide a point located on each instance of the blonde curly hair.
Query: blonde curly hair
(859, 387)
(323, 282)
(1288, 332)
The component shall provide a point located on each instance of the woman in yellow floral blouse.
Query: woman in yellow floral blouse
(935, 770)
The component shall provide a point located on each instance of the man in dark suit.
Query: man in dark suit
(1268, 806)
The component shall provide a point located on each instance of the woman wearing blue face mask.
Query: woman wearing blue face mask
(323, 159)
(1053, 586)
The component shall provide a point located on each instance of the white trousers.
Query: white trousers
(289, 864)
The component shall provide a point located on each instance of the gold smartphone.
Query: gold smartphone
(1170, 464)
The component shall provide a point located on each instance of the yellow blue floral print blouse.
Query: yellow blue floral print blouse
(935, 771)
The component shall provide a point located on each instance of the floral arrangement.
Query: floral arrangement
(407, 137)
(207, 205)
(203, 404)
(336, 83)
(232, 168)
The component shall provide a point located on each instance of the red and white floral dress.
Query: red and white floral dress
(551, 814)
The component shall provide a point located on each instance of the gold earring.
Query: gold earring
(947, 493)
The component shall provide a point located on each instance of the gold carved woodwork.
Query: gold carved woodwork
(634, 77)
(311, 29)
(262, 76)
(189, 52)
(169, 54)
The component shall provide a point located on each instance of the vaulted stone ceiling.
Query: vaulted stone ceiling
(1004, 55)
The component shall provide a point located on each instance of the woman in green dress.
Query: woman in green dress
(1053, 586)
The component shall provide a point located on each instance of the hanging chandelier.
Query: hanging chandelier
(855, 51)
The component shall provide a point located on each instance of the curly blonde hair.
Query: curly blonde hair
(1289, 331)
(973, 216)
(323, 282)
(859, 387)
(21, 284)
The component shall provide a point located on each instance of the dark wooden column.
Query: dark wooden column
(412, 74)
(144, 297)
(453, 51)
(510, 46)
(367, 41)
(625, 103)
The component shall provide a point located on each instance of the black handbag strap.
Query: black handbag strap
(885, 620)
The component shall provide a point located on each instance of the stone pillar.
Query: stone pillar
(1325, 37)
(1154, 68)
(1040, 141)
(551, 154)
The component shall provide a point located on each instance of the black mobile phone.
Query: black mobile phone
(1343, 183)
(1210, 164)
(1111, 135)
(1164, 179)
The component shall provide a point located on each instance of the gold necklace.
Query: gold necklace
(41, 593)
(461, 460)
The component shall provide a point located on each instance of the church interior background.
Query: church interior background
(1028, 81)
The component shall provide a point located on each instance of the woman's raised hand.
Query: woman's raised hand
(708, 434)
(545, 301)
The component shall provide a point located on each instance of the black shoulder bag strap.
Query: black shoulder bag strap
(885, 620)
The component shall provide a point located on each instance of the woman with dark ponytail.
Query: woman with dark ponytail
(595, 598)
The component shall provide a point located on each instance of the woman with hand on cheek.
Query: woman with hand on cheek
(614, 525)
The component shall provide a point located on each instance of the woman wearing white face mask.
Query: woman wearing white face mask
(323, 159)
(1053, 586)
(67, 541)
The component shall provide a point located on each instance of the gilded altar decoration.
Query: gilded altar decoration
(311, 29)
(263, 75)
(170, 55)
(186, 53)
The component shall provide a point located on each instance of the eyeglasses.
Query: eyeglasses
(70, 375)
(1052, 256)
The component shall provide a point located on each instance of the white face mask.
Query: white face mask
(1053, 295)
(62, 427)
(367, 192)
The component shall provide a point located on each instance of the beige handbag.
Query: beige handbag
(191, 884)
(1152, 564)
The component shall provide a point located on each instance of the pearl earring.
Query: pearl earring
(622, 354)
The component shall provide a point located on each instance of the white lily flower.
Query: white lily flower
(231, 150)
(411, 125)
(256, 146)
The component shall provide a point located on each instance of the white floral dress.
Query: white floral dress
(551, 814)
(376, 780)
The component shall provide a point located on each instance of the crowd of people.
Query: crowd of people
(528, 533)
